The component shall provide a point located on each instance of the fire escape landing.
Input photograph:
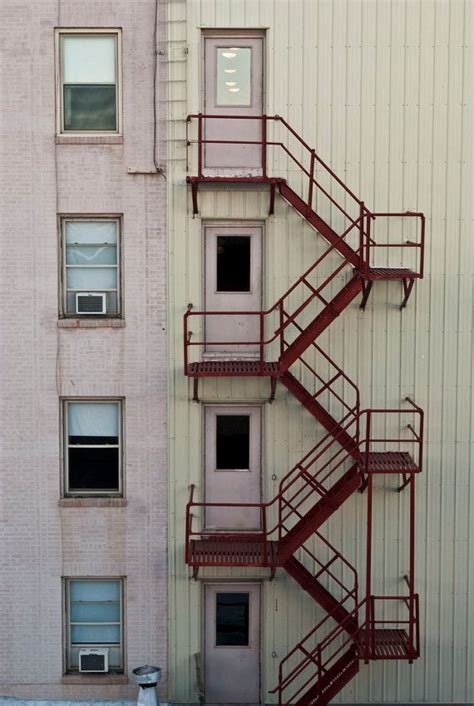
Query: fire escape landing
(357, 444)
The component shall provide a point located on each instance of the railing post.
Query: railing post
(422, 257)
(264, 146)
(200, 145)
(311, 181)
(368, 579)
(262, 336)
(361, 236)
(368, 239)
(282, 335)
(412, 557)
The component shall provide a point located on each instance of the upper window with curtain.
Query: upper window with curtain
(91, 272)
(89, 81)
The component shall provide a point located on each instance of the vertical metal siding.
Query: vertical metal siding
(383, 90)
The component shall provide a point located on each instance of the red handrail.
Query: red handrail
(313, 182)
(308, 478)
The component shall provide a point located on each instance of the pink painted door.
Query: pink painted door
(232, 644)
(232, 465)
(233, 85)
(233, 282)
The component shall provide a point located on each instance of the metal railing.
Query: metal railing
(312, 478)
(353, 212)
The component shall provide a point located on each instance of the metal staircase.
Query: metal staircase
(353, 447)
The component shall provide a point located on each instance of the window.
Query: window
(91, 275)
(232, 442)
(232, 619)
(89, 81)
(94, 618)
(233, 263)
(234, 76)
(93, 447)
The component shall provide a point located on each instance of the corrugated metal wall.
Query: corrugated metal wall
(383, 90)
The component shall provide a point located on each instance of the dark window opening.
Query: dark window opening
(232, 619)
(94, 468)
(232, 441)
(233, 263)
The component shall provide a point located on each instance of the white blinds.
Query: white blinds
(93, 418)
(89, 59)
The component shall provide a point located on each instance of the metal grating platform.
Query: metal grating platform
(391, 462)
(384, 644)
(232, 368)
(390, 273)
(233, 551)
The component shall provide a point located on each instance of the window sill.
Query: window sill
(95, 679)
(92, 502)
(91, 323)
(89, 139)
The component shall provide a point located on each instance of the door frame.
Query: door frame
(237, 583)
(237, 34)
(231, 223)
(233, 403)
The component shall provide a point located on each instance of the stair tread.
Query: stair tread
(390, 273)
(390, 643)
(391, 462)
(238, 550)
(338, 675)
(232, 368)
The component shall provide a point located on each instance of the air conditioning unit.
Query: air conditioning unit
(91, 303)
(94, 660)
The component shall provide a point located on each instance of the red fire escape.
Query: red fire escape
(357, 444)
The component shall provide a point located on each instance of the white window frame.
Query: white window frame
(87, 32)
(67, 622)
(65, 441)
(63, 279)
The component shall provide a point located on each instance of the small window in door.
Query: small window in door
(233, 263)
(232, 442)
(232, 619)
(234, 76)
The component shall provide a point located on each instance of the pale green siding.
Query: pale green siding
(383, 90)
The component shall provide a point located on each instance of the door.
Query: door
(232, 465)
(233, 282)
(232, 644)
(233, 85)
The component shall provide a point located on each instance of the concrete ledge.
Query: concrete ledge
(91, 323)
(89, 139)
(92, 502)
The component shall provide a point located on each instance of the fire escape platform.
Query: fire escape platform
(391, 462)
(233, 550)
(233, 368)
(384, 644)
(385, 273)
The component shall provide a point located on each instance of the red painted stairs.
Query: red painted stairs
(342, 462)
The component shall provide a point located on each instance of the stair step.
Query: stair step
(237, 549)
(320, 512)
(321, 595)
(318, 411)
(384, 644)
(342, 299)
(390, 273)
(316, 222)
(390, 462)
(332, 682)
(232, 368)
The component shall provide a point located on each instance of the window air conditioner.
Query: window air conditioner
(90, 303)
(94, 660)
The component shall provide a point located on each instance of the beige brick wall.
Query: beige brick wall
(41, 362)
